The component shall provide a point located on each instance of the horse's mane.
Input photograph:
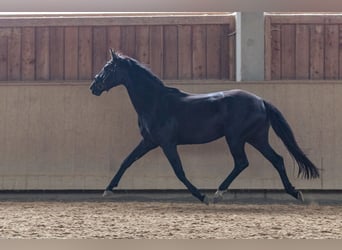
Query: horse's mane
(139, 70)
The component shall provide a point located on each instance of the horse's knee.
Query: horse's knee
(240, 166)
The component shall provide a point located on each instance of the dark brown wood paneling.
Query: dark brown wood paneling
(100, 51)
(75, 49)
(227, 55)
(340, 52)
(316, 46)
(316, 52)
(302, 52)
(128, 40)
(4, 54)
(57, 53)
(71, 53)
(142, 49)
(42, 53)
(156, 52)
(85, 49)
(170, 52)
(199, 42)
(184, 52)
(213, 51)
(113, 38)
(14, 54)
(331, 66)
(28, 54)
(288, 62)
(275, 52)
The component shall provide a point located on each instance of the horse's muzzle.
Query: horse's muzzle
(94, 90)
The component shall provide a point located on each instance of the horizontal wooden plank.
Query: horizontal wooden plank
(115, 20)
(296, 19)
(305, 18)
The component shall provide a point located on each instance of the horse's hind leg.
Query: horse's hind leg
(237, 149)
(277, 161)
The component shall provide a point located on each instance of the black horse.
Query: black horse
(168, 117)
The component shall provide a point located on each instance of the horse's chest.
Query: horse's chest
(148, 127)
(145, 126)
(156, 130)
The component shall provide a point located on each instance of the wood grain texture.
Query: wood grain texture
(100, 48)
(316, 52)
(199, 64)
(213, 40)
(128, 40)
(288, 51)
(57, 53)
(14, 54)
(142, 46)
(184, 52)
(231, 51)
(302, 52)
(316, 46)
(156, 52)
(174, 46)
(3, 54)
(331, 59)
(170, 62)
(114, 38)
(71, 53)
(275, 52)
(85, 49)
(42, 53)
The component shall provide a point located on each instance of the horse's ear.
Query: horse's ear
(113, 54)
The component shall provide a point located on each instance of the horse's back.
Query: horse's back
(238, 100)
(206, 117)
(244, 112)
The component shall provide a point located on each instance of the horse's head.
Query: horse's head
(111, 75)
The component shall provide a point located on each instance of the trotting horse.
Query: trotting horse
(169, 117)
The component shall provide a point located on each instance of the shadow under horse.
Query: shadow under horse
(169, 117)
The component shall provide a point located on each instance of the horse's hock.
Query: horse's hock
(56, 136)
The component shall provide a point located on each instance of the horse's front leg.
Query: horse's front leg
(143, 147)
(171, 153)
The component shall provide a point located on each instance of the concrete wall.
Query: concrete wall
(250, 39)
(62, 137)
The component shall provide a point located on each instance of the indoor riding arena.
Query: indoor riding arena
(61, 145)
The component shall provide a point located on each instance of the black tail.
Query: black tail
(306, 168)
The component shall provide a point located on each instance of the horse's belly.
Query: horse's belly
(200, 133)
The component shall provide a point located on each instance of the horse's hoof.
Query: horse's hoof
(206, 200)
(107, 193)
(300, 196)
(218, 196)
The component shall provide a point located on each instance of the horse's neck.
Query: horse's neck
(144, 96)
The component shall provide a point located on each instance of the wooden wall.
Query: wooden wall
(303, 47)
(76, 47)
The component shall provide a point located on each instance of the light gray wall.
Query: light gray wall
(62, 137)
(250, 46)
